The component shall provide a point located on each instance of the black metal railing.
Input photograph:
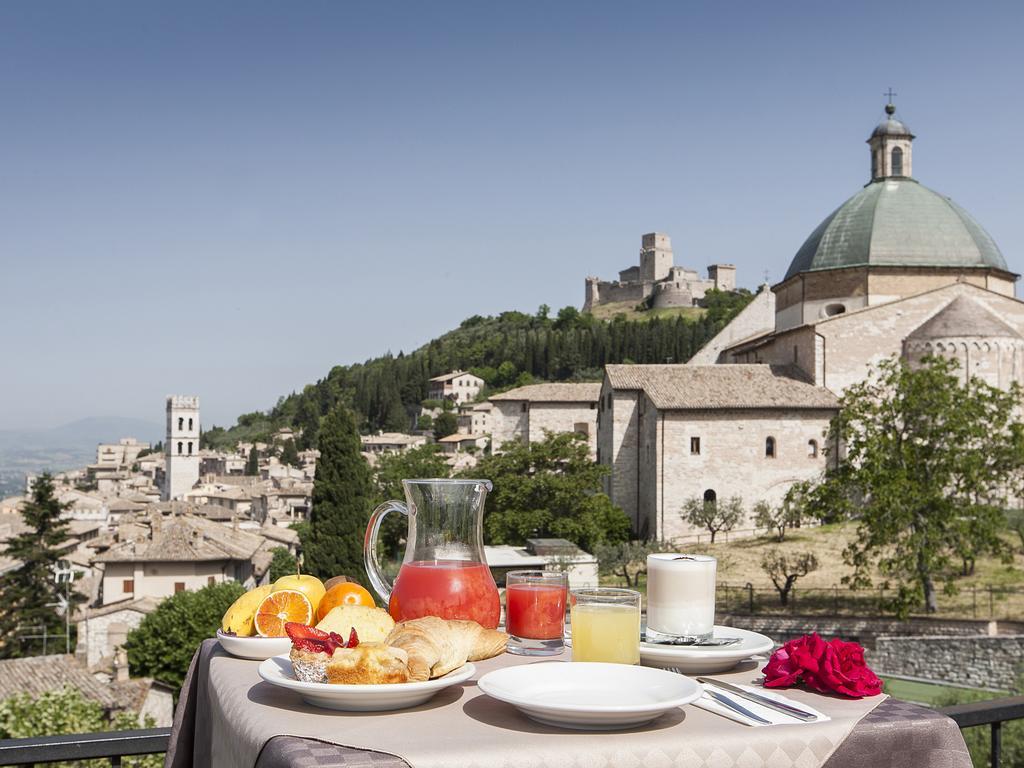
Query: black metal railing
(84, 746)
(117, 744)
(992, 713)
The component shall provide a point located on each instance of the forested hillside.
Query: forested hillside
(509, 350)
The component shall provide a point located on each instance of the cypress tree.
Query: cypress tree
(333, 544)
(29, 593)
(252, 463)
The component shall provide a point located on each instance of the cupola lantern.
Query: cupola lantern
(890, 142)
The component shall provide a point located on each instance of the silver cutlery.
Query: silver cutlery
(725, 701)
(764, 701)
(715, 642)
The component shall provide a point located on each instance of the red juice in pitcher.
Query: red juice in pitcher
(449, 589)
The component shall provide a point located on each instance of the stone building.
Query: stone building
(657, 280)
(181, 446)
(896, 270)
(674, 432)
(457, 386)
(524, 414)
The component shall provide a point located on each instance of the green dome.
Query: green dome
(897, 223)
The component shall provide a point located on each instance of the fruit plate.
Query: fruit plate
(255, 648)
(702, 660)
(360, 698)
(590, 696)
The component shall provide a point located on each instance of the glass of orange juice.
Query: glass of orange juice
(605, 625)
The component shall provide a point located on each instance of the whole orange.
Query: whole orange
(346, 593)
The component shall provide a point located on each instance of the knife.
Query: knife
(764, 701)
(727, 702)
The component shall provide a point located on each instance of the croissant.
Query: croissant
(437, 646)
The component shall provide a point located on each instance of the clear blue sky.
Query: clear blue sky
(226, 199)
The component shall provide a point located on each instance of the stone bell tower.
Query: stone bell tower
(890, 142)
(181, 448)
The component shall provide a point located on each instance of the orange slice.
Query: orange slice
(278, 608)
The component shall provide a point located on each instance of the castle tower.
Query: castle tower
(890, 147)
(655, 256)
(181, 448)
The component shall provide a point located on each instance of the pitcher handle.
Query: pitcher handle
(380, 584)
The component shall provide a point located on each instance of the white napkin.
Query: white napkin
(773, 717)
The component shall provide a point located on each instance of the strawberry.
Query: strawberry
(353, 638)
(297, 631)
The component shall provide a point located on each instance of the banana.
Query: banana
(239, 617)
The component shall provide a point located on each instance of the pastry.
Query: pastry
(371, 624)
(312, 650)
(368, 663)
(436, 646)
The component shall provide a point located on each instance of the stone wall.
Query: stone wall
(984, 662)
(757, 317)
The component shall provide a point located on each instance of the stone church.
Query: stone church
(897, 269)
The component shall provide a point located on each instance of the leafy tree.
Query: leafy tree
(342, 492)
(713, 516)
(777, 520)
(289, 453)
(447, 423)
(252, 462)
(927, 465)
(785, 569)
(67, 711)
(549, 488)
(162, 645)
(29, 593)
(627, 559)
(424, 421)
(282, 563)
(307, 420)
(1015, 522)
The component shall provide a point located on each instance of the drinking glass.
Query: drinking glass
(535, 612)
(680, 597)
(605, 625)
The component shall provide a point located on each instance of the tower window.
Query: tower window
(769, 448)
(874, 165)
(189, 447)
(695, 446)
(190, 425)
(897, 161)
(180, 447)
(710, 497)
(812, 449)
(181, 423)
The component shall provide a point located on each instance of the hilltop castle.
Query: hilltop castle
(657, 280)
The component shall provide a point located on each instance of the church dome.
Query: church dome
(891, 127)
(897, 222)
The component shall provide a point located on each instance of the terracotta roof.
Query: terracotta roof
(186, 537)
(37, 675)
(963, 317)
(145, 605)
(587, 392)
(458, 438)
(452, 375)
(698, 387)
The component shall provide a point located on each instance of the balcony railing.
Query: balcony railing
(117, 744)
(84, 746)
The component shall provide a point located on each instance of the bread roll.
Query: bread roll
(438, 646)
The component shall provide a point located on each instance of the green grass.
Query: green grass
(929, 694)
(628, 308)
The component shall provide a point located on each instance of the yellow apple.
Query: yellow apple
(308, 585)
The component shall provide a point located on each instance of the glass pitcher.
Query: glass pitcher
(444, 572)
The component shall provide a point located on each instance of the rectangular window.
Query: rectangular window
(210, 581)
(179, 586)
(128, 586)
(695, 446)
(581, 428)
(796, 354)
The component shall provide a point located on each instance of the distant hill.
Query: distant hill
(65, 447)
(511, 349)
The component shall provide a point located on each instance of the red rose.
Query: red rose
(835, 666)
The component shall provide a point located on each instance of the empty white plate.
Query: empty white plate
(589, 695)
(255, 648)
(360, 698)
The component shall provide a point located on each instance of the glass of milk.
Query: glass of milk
(680, 598)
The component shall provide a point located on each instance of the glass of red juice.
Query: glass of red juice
(535, 612)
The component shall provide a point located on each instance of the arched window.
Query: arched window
(874, 165)
(812, 449)
(181, 423)
(190, 425)
(769, 448)
(897, 161)
(180, 446)
(710, 497)
(189, 447)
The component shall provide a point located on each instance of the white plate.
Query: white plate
(256, 648)
(589, 695)
(702, 660)
(359, 698)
